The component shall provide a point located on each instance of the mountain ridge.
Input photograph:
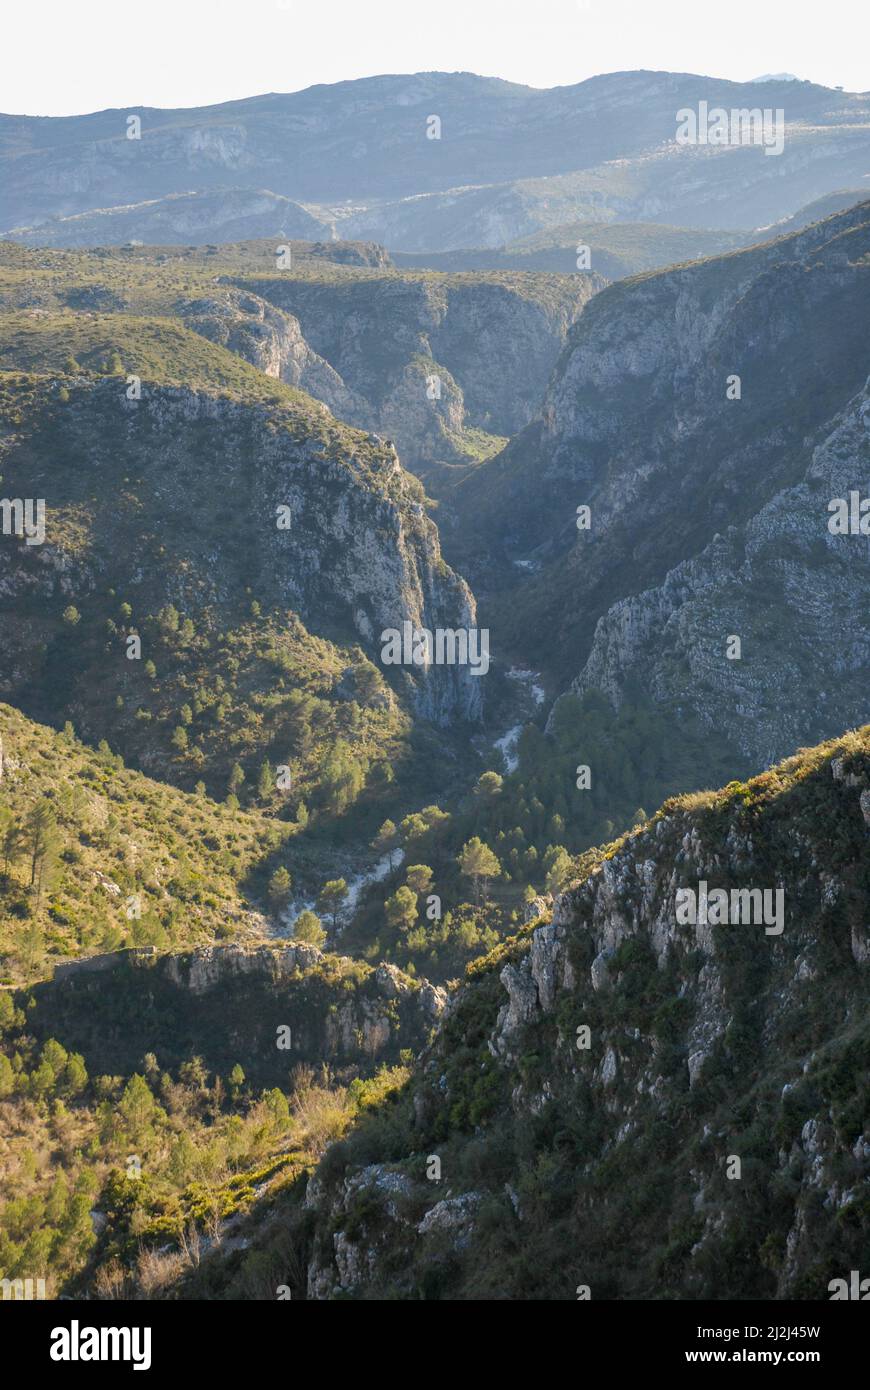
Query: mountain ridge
(388, 125)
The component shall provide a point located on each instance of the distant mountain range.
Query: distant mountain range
(509, 161)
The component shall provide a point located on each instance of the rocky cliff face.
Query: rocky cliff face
(176, 498)
(687, 414)
(227, 1001)
(272, 340)
(422, 357)
(625, 1102)
(794, 593)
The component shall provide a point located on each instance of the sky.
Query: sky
(60, 57)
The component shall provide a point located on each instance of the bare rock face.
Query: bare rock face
(392, 982)
(522, 1005)
(433, 1000)
(360, 553)
(688, 375)
(355, 1025)
(675, 634)
(384, 1198)
(540, 905)
(453, 1215)
(272, 340)
(348, 1266)
(210, 966)
(421, 360)
(532, 985)
(424, 413)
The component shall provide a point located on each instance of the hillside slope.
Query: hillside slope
(120, 860)
(708, 1138)
(223, 1002)
(170, 505)
(227, 214)
(616, 249)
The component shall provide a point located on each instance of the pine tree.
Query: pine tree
(419, 878)
(265, 783)
(386, 841)
(488, 786)
(558, 870)
(7, 1076)
(478, 863)
(75, 1075)
(401, 909)
(330, 900)
(279, 887)
(308, 928)
(58, 1196)
(11, 840)
(137, 1106)
(44, 846)
(341, 778)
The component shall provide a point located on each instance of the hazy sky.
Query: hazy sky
(64, 56)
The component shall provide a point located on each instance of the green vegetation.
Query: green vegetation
(617, 249)
(172, 1160)
(120, 345)
(96, 857)
(216, 748)
(512, 837)
(622, 1181)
